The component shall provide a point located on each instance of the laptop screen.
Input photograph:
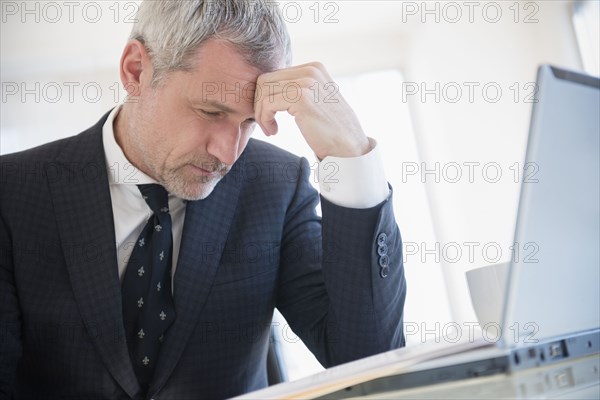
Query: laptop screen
(554, 278)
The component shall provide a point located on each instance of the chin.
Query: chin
(194, 191)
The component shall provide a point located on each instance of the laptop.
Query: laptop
(551, 309)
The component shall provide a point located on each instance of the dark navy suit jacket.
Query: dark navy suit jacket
(254, 244)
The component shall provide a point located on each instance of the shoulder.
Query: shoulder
(265, 164)
(261, 151)
(75, 152)
(268, 172)
(43, 153)
(78, 146)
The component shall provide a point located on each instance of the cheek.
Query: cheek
(185, 139)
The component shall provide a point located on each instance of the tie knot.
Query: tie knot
(156, 197)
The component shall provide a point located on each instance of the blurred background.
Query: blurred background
(445, 87)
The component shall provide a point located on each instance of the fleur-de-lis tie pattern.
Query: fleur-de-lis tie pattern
(148, 311)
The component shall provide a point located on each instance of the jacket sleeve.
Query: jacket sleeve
(341, 286)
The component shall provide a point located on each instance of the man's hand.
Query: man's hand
(308, 93)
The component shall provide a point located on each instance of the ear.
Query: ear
(135, 68)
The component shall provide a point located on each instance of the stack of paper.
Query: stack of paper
(385, 364)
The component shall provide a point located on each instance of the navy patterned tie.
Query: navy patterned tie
(148, 308)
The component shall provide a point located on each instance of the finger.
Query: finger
(270, 126)
(265, 116)
(266, 110)
(267, 128)
(265, 119)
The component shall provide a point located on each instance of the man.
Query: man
(180, 308)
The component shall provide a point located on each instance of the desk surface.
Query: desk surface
(575, 379)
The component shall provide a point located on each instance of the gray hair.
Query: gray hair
(172, 31)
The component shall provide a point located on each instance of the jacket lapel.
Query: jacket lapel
(81, 198)
(205, 230)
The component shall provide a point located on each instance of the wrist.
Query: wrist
(348, 150)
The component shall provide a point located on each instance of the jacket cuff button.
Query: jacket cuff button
(381, 239)
(384, 271)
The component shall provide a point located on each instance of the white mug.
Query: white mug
(487, 286)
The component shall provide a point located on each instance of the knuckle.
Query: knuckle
(314, 70)
(317, 64)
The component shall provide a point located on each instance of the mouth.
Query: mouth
(213, 172)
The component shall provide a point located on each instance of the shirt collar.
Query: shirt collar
(120, 170)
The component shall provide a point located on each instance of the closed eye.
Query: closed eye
(211, 113)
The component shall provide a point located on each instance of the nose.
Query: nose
(224, 144)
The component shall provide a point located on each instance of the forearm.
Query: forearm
(366, 301)
(332, 288)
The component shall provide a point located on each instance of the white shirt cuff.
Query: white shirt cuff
(356, 182)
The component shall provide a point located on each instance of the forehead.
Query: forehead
(221, 74)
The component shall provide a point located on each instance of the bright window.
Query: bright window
(586, 18)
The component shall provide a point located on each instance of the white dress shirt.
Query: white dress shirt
(348, 182)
